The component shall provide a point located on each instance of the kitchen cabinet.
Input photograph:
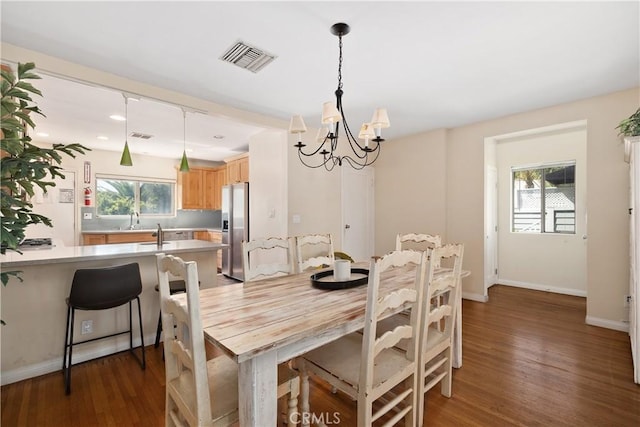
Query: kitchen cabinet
(238, 169)
(211, 236)
(201, 188)
(94, 239)
(108, 238)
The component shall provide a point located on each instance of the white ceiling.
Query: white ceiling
(431, 64)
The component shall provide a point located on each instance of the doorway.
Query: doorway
(358, 232)
(550, 261)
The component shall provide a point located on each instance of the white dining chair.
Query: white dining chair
(201, 392)
(268, 257)
(314, 250)
(436, 336)
(369, 369)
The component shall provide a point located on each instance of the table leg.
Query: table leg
(257, 391)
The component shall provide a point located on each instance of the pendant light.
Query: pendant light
(125, 160)
(184, 163)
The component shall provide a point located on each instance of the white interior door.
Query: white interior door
(59, 205)
(358, 213)
(491, 229)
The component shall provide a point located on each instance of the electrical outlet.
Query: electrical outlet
(87, 327)
(87, 215)
(627, 300)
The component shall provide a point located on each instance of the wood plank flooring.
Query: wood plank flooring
(529, 360)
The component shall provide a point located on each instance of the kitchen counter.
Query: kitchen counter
(62, 254)
(147, 230)
(36, 308)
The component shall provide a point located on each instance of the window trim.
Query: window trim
(542, 166)
(174, 194)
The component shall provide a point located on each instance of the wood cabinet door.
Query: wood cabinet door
(201, 235)
(192, 188)
(244, 169)
(209, 186)
(233, 171)
(220, 181)
(131, 237)
(94, 239)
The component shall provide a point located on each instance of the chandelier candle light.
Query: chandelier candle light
(332, 116)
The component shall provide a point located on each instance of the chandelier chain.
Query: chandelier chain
(340, 63)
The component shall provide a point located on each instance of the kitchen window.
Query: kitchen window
(544, 199)
(116, 196)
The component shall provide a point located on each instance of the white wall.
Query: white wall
(410, 193)
(459, 154)
(555, 262)
(268, 197)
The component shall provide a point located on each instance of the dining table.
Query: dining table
(265, 322)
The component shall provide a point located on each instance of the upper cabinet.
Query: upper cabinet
(238, 169)
(201, 188)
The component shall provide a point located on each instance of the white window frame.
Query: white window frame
(136, 208)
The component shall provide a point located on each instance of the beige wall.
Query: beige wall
(403, 167)
(410, 191)
(554, 262)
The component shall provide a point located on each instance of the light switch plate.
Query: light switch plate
(296, 219)
(87, 215)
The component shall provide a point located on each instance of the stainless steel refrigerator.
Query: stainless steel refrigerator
(235, 227)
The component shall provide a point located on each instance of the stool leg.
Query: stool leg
(144, 361)
(158, 331)
(67, 378)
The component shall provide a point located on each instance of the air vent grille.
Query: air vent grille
(140, 135)
(248, 57)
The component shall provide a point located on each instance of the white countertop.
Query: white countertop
(147, 230)
(62, 254)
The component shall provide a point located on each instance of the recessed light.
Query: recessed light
(118, 118)
(102, 138)
(43, 134)
(218, 136)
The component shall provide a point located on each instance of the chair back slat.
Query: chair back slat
(314, 250)
(269, 257)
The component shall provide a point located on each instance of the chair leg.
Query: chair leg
(304, 392)
(158, 331)
(292, 406)
(445, 385)
(66, 341)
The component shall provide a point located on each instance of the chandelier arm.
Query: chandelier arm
(313, 153)
(309, 165)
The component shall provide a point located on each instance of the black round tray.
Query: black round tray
(330, 284)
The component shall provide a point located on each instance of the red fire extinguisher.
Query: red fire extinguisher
(87, 196)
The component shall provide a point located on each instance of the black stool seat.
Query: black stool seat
(175, 287)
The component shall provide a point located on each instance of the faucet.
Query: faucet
(159, 236)
(131, 226)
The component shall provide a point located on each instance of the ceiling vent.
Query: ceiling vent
(248, 57)
(140, 135)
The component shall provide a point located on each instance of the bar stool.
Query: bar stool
(101, 289)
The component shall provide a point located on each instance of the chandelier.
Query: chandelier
(326, 154)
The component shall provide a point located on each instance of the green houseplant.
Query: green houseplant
(24, 165)
(630, 126)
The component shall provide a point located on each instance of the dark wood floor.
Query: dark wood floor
(529, 360)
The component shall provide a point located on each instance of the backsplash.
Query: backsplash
(183, 219)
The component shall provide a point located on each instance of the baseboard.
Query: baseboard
(545, 288)
(606, 323)
(79, 356)
(474, 297)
